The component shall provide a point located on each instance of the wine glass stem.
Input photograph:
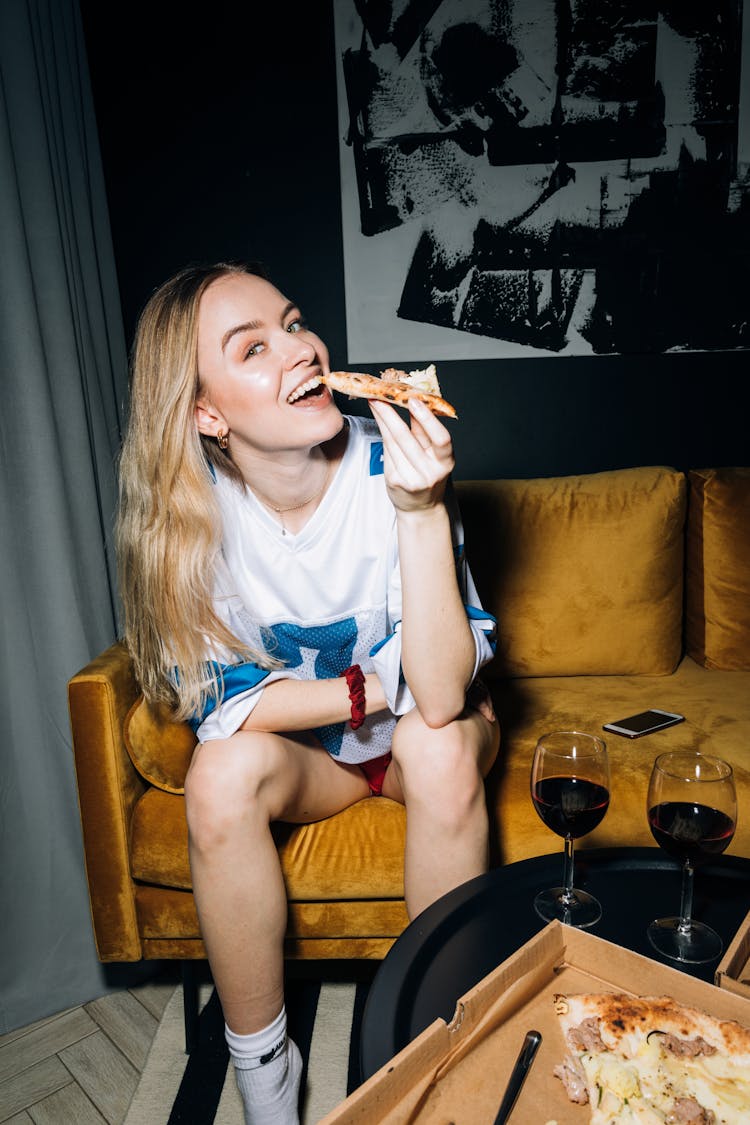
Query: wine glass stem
(567, 895)
(686, 903)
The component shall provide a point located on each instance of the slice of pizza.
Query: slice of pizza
(393, 389)
(651, 1060)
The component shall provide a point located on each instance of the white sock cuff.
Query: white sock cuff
(258, 1048)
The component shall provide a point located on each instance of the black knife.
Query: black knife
(518, 1075)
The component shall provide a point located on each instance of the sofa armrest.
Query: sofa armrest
(99, 697)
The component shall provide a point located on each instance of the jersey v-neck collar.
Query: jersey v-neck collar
(309, 533)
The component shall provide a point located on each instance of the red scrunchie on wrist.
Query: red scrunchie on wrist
(355, 681)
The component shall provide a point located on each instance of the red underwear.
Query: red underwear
(374, 771)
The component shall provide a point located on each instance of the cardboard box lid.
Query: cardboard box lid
(733, 972)
(456, 1072)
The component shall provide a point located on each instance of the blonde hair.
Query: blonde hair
(168, 527)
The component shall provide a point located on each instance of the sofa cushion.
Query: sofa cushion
(341, 929)
(584, 573)
(716, 706)
(718, 568)
(358, 853)
(159, 748)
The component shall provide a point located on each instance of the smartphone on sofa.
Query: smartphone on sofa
(645, 722)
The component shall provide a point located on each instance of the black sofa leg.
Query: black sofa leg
(190, 1004)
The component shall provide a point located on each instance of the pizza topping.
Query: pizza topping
(424, 380)
(570, 1073)
(586, 1036)
(611, 1075)
(687, 1111)
(651, 1060)
(684, 1047)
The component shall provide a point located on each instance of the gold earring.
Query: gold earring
(223, 439)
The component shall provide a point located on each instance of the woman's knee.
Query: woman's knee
(227, 784)
(439, 765)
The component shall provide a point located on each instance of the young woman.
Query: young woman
(294, 586)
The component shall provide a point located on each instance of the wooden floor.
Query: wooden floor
(81, 1067)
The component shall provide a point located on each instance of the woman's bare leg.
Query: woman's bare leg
(235, 788)
(439, 775)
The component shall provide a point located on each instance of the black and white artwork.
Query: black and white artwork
(543, 177)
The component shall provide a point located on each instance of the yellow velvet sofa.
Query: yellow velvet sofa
(614, 592)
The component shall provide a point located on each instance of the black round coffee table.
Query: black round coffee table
(458, 940)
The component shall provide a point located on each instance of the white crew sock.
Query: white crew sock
(268, 1068)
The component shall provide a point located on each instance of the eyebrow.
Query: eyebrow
(253, 325)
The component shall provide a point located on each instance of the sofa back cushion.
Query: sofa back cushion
(717, 600)
(583, 573)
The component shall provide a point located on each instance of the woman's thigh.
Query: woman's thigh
(292, 778)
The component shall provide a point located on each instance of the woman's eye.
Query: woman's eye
(296, 325)
(254, 349)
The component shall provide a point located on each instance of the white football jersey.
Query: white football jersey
(325, 598)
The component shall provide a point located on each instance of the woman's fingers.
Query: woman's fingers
(426, 435)
(417, 459)
(425, 422)
(406, 461)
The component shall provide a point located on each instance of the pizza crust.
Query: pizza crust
(622, 1018)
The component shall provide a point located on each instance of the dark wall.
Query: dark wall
(219, 136)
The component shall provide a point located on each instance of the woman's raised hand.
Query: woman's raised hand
(417, 459)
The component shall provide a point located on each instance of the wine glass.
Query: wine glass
(692, 813)
(570, 791)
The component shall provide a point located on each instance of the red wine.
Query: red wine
(570, 806)
(690, 832)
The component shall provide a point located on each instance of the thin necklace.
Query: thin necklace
(280, 512)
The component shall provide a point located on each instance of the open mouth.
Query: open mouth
(312, 388)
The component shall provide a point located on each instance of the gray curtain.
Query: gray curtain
(63, 381)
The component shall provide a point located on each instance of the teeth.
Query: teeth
(303, 388)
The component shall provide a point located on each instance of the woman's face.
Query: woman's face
(254, 352)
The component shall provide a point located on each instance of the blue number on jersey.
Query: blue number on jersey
(376, 459)
(323, 651)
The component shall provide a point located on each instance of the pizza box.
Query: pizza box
(456, 1072)
(733, 972)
